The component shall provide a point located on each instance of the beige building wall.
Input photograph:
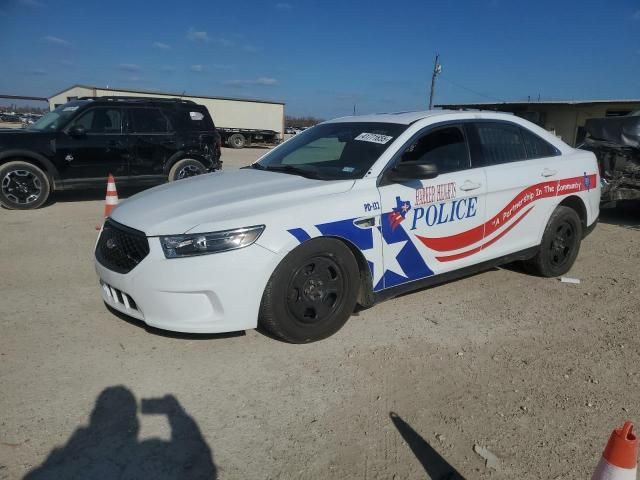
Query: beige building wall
(565, 120)
(225, 113)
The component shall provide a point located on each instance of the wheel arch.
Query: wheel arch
(365, 290)
(31, 157)
(576, 203)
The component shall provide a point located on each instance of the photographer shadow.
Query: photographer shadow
(109, 448)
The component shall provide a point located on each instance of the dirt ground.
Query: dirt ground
(536, 371)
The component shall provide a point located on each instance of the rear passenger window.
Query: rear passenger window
(501, 143)
(148, 120)
(537, 147)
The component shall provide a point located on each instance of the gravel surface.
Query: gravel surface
(499, 375)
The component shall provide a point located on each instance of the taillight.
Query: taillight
(219, 146)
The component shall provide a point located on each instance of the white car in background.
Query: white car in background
(352, 211)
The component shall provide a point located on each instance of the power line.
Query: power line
(471, 90)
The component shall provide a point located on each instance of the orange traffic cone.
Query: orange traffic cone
(620, 457)
(111, 200)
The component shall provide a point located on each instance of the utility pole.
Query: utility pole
(437, 69)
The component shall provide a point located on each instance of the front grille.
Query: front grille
(121, 248)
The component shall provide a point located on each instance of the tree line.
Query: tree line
(291, 121)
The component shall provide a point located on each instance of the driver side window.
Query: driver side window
(101, 120)
(444, 147)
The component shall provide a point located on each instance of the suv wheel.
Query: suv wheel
(560, 244)
(237, 140)
(186, 168)
(312, 293)
(23, 186)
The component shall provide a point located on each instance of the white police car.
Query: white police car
(354, 210)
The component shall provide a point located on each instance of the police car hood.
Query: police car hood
(220, 200)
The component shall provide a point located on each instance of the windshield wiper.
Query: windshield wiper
(292, 170)
(256, 165)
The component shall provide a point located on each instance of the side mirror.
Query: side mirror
(413, 170)
(77, 131)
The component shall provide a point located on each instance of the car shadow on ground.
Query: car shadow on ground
(170, 334)
(67, 196)
(435, 466)
(624, 214)
(109, 447)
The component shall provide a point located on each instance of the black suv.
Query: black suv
(141, 141)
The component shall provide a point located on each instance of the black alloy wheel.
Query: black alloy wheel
(562, 244)
(312, 292)
(316, 290)
(189, 171)
(186, 168)
(23, 186)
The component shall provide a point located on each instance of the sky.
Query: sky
(323, 57)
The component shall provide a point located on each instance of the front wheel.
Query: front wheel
(312, 293)
(186, 168)
(560, 244)
(23, 186)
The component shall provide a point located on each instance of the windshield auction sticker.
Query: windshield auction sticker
(373, 138)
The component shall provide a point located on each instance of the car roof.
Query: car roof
(407, 118)
(132, 101)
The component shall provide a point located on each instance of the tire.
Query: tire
(311, 293)
(186, 168)
(23, 186)
(237, 140)
(560, 244)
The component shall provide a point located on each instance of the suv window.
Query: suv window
(500, 143)
(445, 147)
(148, 120)
(101, 120)
(537, 147)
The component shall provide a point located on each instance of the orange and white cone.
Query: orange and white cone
(620, 457)
(111, 200)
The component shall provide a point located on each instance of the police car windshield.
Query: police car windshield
(57, 118)
(333, 151)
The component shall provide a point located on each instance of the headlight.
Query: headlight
(176, 246)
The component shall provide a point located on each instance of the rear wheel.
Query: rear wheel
(312, 293)
(186, 168)
(23, 186)
(237, 140)
(560, 244)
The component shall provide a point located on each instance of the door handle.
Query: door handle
(468, 185)
(365, 222)
(547, 172)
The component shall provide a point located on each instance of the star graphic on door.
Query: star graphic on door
(390, 252)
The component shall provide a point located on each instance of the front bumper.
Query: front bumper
(205, 294)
